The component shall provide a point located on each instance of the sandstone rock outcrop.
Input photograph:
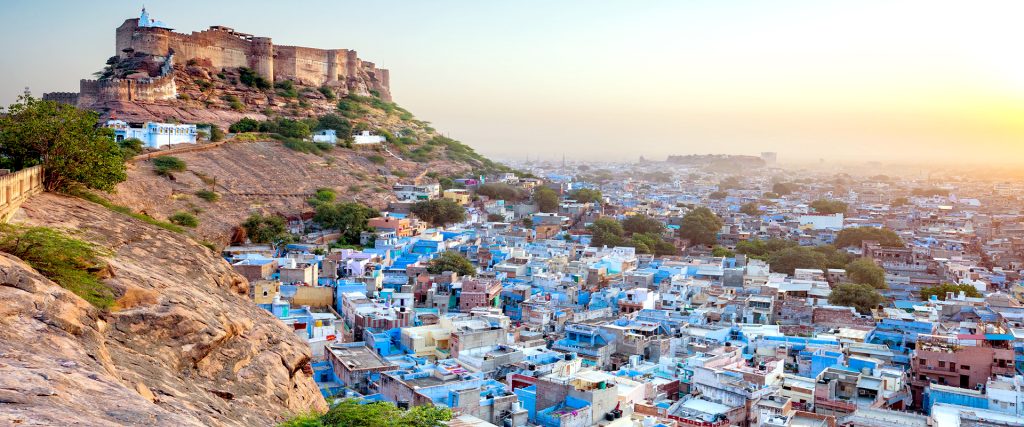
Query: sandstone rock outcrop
(184, 346)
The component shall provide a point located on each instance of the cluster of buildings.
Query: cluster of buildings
(552, 331)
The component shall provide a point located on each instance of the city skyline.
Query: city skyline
(908, 82)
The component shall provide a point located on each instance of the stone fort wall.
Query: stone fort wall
(133, 90)
(224, 47)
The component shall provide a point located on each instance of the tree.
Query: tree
(751, 208)
(546, 199)
(359, 413)
(718, 195)
(828, 207)
(439, 212)
(789, 259)
(64, 140)
(722, 251)
(451, 261)
(606, 232)
(500, 191)
(651, 243)
(265, 229)
(857, 235)
(642, 224)
(493, 217)
(587, 195)
(528, 222)
(866, 271)
(834, 258)
(783, 188)
(730, 183)
(335, 122)
(701, 226)
(940, 291)
(244, 125)
(349, 218)
(899, 201)
(861, 297)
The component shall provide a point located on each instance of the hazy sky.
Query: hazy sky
(865, 79)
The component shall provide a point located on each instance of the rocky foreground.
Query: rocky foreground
(184, 346)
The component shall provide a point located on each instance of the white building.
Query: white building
(327, 135)
(154, 135)
(365, 138)
(416, 192)
(822, 222)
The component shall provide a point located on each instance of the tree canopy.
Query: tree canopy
(642, 224)
(64, 140)
(439, 212)
(642, 235)
(501, 191)
(828, 207)
(587, 195)
(265, 229)
(760, 249)
(751, 208)
(701, 226)
(856, 235)
(356, 413)
(789, 259)
(862, 297)
(451, 261)
(940, 291)
(349, 218)
(866, 271)
(783, 188)
(546, 199)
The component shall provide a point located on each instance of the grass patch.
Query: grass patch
(209, 196)
(184, 219)
(73, 264)
(126, 211)
(165, 165)
(376, 159)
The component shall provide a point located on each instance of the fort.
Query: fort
(156, 48)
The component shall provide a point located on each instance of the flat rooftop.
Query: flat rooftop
(358, 358)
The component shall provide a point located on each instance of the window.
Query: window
(942, 364)
(920, 362)
(965, 367)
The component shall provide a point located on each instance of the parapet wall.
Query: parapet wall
(134, 90)
(16, 187)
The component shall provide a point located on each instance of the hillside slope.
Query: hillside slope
(266, 177)
(186, 346)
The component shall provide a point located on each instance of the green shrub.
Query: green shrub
(286, 89)
(71, 263)
(244, 125)
(209, 196)
(249, 77)
(165, 165)
(184, 219)
(327, 92)
(376, 159)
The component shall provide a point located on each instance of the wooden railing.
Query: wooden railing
(16, 187)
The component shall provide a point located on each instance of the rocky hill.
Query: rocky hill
(255, 173)
(184, 345)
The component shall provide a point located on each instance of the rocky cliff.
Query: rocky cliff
(184, 345)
